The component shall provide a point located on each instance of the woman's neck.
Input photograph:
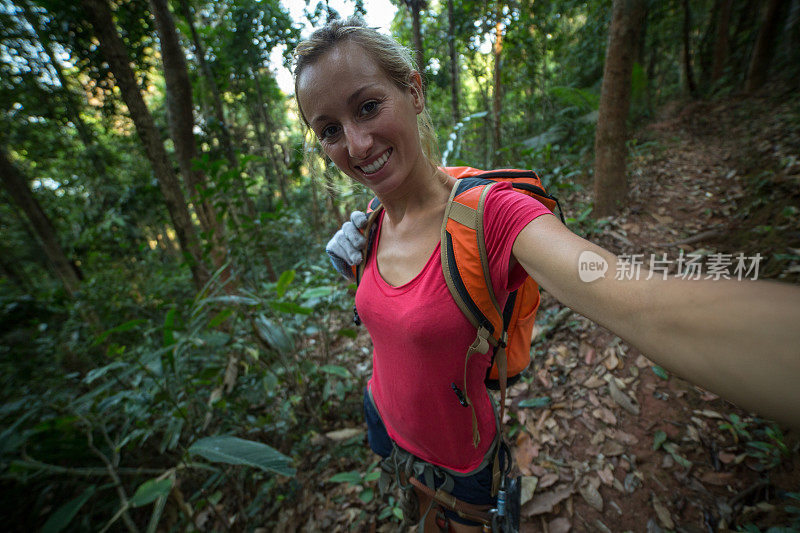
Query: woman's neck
(425, 190)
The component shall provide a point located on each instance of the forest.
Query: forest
(178, 354)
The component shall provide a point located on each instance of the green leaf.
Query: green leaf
(346, 477)
(348, 332)
(232, 299)
(397, 512)
(169, 327)
(763, 446)
(681, 460)
(336, 370)
(64, 514)
(150, 490)
(283, 282)
(291, 308)
(372, 476)
(366, 495)
(535, 402)
(236, 451)
(318, 292)
(103, 370)
(221, 317)
(659, 439)
(127, 326)
(660, 372)
(276, 336)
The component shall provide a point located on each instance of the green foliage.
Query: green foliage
(218, 393)
(236, 451)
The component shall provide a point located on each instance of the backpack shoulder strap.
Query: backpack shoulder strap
(464, 259)
(374, 209)
(465, 266)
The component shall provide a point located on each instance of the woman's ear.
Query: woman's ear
(415, 83)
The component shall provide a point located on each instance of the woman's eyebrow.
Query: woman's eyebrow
(357, 93)
(350, 99)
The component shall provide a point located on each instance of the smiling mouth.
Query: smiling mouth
(376, 165)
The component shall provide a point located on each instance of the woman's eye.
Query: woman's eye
(328, 131)
(369, 107)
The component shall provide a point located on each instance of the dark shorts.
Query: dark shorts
(474, 488)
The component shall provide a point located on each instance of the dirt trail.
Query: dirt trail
(592, 451)
(620, 445)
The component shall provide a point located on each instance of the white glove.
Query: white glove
(345, 247)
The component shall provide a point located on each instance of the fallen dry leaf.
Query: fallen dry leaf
(344, 434)
(524, 454)
(548, 480)
(528, 486)
(613, 448)
(546, 502)
(611, 361)
(622, 399)
(726, 457)
(592, 496)
(606, 475)
(586, 352)
(662, 513)
(717, 478)
(605, 415)
(621, 436)
(559, 525)
(594, 382)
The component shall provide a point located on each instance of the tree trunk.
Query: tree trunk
(119, 62)
(721, 45)
(764, 47)
(180, 112)
(792, 42)
(610, 184)
(211, 80)
(497, 93)
(688, 71)
(20, 192)
(451, 46)
(9, 271)
(416, 6)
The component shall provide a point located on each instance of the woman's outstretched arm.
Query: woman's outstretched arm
(738, 339)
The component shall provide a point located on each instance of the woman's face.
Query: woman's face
(364, 122)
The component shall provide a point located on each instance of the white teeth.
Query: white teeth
(377, 165)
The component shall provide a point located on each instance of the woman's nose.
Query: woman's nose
(359, 141)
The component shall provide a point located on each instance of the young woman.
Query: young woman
(361, 95)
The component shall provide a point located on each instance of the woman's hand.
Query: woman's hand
(345, 247)
(739, 339)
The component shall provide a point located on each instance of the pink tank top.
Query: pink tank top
(420, 338)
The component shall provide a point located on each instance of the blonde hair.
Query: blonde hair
(394, 59)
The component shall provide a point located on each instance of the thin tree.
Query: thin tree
(99, 14)
(451, 48)
(211, 81)
(416, 6)
(688, 71)
(764, 47)
(497, 92)
(180, 112)
(18, 189)
(721, 44)
(610, 183)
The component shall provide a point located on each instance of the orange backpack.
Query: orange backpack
(507, 330)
